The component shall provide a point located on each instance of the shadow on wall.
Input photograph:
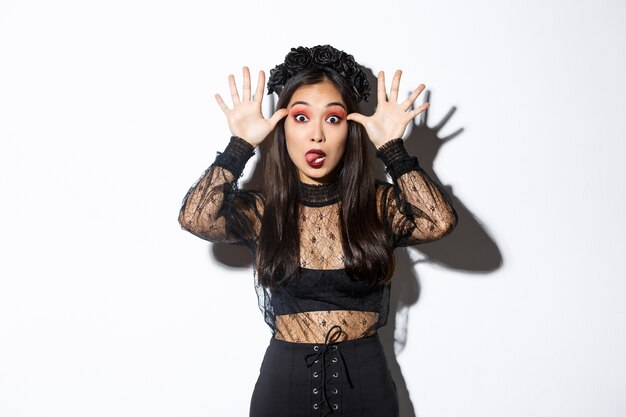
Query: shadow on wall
(468, 248)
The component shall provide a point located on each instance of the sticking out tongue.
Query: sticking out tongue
(315, 158)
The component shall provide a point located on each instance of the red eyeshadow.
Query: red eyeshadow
(298, 110)
(339, 113)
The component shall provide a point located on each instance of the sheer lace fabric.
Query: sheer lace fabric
(413, 210)
(313, 326)
(215, 210)
(320, 237)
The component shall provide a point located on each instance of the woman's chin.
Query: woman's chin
(317, 176)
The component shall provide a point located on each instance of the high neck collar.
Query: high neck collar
(317, 195)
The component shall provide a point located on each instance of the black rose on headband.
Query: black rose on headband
(297, 60)
(278, 79)
(326, 55)
(301, 58)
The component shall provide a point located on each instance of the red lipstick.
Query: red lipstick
(315, 158)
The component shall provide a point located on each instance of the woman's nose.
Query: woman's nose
(317, 135)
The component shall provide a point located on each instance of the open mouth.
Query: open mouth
(315, 158)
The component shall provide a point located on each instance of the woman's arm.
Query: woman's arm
(214, 208)
(415, 209)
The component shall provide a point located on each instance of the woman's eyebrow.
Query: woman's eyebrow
(334, 103)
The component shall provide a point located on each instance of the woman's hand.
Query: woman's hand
(245, 119)
(390, 118)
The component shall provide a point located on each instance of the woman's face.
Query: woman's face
(316, 131)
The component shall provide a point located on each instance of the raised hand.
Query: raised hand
(245, 119)
(390, 118)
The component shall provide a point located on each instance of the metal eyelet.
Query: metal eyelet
(334, 347)
(335, 391)
(334, 360)
(315, 406)
(335, 375)
(335, 406)
(317, 360)
(316, 348)
(315, 374)
(315, 391)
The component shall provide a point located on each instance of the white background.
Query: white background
(107, 117)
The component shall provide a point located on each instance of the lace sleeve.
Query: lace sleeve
(414, 209)
(214, 208)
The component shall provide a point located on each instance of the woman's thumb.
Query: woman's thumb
(280, 113)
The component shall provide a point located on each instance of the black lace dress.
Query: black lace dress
(413, 210)
(324, 355)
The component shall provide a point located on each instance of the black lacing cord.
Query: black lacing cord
(330, 344)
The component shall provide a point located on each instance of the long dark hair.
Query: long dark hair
(368, 254)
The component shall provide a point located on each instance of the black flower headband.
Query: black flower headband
(326, 56)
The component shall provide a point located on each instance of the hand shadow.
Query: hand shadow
(468, 248)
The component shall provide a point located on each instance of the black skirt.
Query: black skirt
(345, 379)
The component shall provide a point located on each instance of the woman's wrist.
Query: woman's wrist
(234, 158)
(396, 158)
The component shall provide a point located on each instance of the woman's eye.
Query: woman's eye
(300, 118)
(334, 119)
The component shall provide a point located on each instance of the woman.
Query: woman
(322, 232)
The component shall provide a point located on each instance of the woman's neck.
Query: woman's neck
(316, 195)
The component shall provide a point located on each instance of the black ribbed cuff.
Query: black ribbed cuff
(235, 156)
(396, 159)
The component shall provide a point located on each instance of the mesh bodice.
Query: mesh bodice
(412, 210)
